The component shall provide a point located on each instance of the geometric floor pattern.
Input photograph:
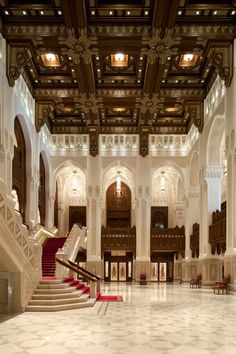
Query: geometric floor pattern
(156, 318)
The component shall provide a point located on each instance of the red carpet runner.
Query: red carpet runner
(110, 298)
(50, 248)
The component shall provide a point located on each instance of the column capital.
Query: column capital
(214, 172)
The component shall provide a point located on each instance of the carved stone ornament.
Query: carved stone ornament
(159, 48)
(44, 110)
(143, 141)
(222, 59)
(2, 153)
(17, 58)
(79, 47)
(93, 141)
(195, 111)
(90, 191)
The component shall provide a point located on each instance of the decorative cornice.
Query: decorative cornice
(186, 93)
(195, 111)
(119, 30)
(198, 30)
(221, 56)
(119, 92)
(39, 30)
(44, 111)
(51, 93)
(17, 58)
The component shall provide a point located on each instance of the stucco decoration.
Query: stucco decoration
(193, 170)
(214, 140)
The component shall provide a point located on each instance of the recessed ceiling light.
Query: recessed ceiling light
(189, 81)
(98, 70)
(92, 13)
(31, 70)
(110, 12)
(41, 12)
(97, 58)
(49, 81)
(166, 70)
(69, 58)
(24, 12)
(140, 70)
(62, 81)
(179, 12)
(6, 12)
(168, 58)
(146, 13)
(50, 59)
(59, 12)
(138, 81)
(72, 70)
(99, 81)
(36, 81)
(113, 81)
(163, 81)
(202, 81)
(233, 12)
(119, 59)
(215, 13)
(176, 81)
(128, 13)
(75, 80)
(141, 58)
(125, 81)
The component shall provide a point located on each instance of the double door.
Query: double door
(160, 271)
(118, 268)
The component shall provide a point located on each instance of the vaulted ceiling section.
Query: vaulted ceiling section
(126, 66)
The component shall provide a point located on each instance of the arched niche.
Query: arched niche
(19, 169)
(213, 157)
(194, 170)
(118, 206)
(42, 192)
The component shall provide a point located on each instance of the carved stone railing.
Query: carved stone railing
(21, 250)
(40, 233)
(76, 239)
(26, 98)
(119, 144)
(194, 241)
(168, 239)
(214, 98)
(119, 238)
(217, 231)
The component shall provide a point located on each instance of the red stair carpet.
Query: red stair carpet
(78, 285)
(110, 298)
(50, 248)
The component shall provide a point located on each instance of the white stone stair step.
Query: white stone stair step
(72, 300)
(53, 286)
(70, 289)
(54, 308)
(73, 295)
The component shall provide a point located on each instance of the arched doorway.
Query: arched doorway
(118, 206)
(118, 247)
(19, 169)
(42, 192)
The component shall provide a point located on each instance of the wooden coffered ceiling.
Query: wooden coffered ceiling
(155, 91)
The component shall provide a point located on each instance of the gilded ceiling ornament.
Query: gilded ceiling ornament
(89, 104)
(148, 103)
(79, 47)
(159, 48)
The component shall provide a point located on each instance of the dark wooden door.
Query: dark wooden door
(159, 216)
(118, 206)
(77, 215)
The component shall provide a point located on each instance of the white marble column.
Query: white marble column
(94, 214)
(143, 209)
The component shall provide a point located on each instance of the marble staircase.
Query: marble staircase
(56, 295)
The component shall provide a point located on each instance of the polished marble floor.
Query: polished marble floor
(164, 318)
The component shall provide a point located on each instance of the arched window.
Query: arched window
(19, 168)
(42, 192)
(118, 205)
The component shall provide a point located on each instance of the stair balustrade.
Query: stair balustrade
(76, 239)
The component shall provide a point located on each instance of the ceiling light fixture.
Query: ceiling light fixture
(197, 12)
(92, 13)
(6, 12)
(128, 13)
(146, 13)
(188, 60)
(233, 12)
(24, 12)
(215, 13)
(41, 12)
(179, 13)
(119, 59)
(110, 13)
(50, 59)
(59, 12)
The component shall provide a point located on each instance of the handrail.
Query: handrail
(76, 270)
(41, 234)
(84, 270)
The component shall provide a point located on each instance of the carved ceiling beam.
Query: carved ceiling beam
(153, 70)
(44, 112)
(85, 77)
(93, 140)
(165, 14)
(74, 12)
(144, 140)
(195, 111)
(221, 56)
(17, 59)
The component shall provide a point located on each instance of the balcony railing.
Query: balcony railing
(119, 238)
(217, 231)
(168, 239)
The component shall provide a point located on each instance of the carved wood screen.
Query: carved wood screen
(159, 217)
(42, 191)
(19, 167)
(118, 206)
(77, 215)
(56, 207)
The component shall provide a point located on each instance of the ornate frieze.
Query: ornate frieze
(118, 145)
(144, 141)
(17, 58)
(93, 141)
(111, 30)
